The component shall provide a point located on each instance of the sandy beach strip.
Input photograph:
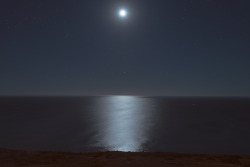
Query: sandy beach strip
(16, 158)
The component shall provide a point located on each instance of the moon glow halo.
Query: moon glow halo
(123, 13)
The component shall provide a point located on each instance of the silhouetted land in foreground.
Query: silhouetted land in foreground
(11, 158)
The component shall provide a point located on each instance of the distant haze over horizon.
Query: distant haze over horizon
(117, 95)
(152, 48)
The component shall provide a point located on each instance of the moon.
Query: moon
(123, 13)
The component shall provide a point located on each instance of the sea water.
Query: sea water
(126, 123)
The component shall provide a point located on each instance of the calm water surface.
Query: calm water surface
(126, 123)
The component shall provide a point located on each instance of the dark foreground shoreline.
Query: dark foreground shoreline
(19, 158)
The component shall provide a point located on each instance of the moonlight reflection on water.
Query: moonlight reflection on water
(124, 123)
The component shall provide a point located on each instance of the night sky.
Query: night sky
(162, 47)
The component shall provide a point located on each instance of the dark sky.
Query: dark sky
(163, 47)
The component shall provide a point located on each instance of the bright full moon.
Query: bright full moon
(123, 13)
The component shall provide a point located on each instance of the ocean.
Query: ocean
(126, 123)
